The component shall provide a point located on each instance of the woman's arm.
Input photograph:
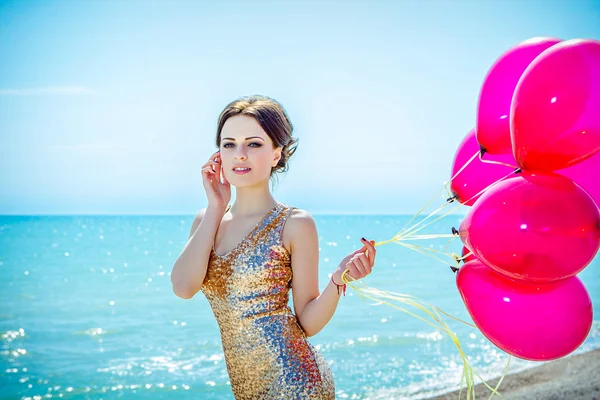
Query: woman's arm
(190, 267)
(313, 309)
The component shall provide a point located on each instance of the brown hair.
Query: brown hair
(272, 117)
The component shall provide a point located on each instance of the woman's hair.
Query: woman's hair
(273, 119)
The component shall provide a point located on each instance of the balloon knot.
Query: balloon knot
(451, 199)
(454, 269)
(518, 170)
(454, 231)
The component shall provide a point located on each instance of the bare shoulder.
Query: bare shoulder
(197, 219)
(199, 215)
(299, 227)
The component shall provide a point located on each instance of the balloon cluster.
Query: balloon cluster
(532, 228)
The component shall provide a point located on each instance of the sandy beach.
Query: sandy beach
(574, 378)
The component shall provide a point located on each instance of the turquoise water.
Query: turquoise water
(88, 312)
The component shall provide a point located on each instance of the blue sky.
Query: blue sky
(110, 107)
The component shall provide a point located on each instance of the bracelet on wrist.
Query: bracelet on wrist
(339, 286)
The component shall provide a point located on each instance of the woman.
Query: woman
(247, 256)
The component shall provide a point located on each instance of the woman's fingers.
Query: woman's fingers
(217, 167)
(355, 252)
(352, 272)
(210, 163)
(366, 263)
(213, 168)
(210, 167)
(362, 260)
(371, 252)
(206, 169)
(356, 263)
(363, 264)
(225, 181)
(213, 161)
(357, 267)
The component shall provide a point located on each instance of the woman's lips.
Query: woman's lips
(242, 172)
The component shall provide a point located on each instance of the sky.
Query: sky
(110, 107)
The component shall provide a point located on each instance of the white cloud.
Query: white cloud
(49, 91)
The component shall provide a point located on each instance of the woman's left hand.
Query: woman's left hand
(359, 263)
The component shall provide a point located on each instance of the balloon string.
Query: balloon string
(423, 250)
(454, 259)
(402, 237)
(473, 157)
(465, 256)
(495, 390)
(496, 162)
(490, 186)
(417, 228)
(413, 229)
(433, 312)
(466, 164)
(423, 209)
(405, 235)
(454, 256)
(471, 198)
(411, 234)
(430, 236)
(437, 194)
(433, 318)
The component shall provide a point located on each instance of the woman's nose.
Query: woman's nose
(240, 155)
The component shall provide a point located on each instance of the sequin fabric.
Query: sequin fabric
(266, 351)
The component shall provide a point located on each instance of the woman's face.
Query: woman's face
(247, 153)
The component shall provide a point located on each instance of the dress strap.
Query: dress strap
(285, 214)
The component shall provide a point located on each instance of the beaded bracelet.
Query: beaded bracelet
(338, 286)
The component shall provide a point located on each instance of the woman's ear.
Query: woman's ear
(277, 157)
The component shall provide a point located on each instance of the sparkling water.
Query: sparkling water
(87, 311)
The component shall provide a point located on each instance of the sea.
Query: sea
(87, 312)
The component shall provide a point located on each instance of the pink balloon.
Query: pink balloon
(555, 111)
(538, 227)
(587, 175)
(470, 257)
(531, 321)
(493, 110)
(478, 175)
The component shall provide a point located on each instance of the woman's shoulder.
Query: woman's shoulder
(200, 214)
(199, 217)
(300, 224)
(298, 216)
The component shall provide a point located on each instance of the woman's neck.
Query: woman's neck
(250, 201)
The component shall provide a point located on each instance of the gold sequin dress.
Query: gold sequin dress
(266, 351)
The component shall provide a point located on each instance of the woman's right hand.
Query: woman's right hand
(217, 192)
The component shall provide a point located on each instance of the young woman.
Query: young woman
(247, 256)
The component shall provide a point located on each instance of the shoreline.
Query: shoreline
(574, 377)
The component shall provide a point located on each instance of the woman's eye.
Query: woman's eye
(253, 144)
